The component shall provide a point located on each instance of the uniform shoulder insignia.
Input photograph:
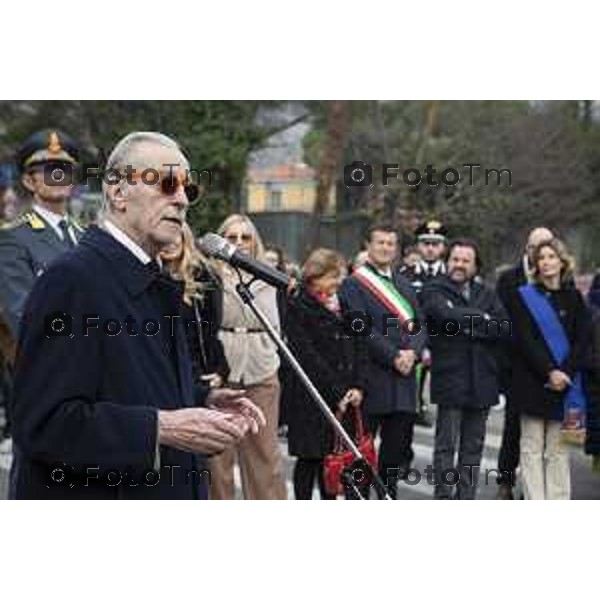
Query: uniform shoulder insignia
(16, 222)
(29, 218)
(34, 220)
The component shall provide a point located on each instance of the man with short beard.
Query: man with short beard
(104, 403)
(466, 323)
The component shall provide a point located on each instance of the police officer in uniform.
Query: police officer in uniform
(29, 243)
(32, 241)
(432, 242)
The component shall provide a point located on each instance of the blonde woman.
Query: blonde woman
(253, 361)
(551, 333)
(201, 312)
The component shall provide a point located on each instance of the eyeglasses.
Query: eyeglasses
(170, 182)
(243, 237)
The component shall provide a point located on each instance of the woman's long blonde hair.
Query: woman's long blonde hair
(185, 267)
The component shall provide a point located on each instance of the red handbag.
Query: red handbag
(340, 458)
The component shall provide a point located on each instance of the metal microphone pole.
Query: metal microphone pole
(243, 289)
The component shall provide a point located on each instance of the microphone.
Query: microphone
(215, 246)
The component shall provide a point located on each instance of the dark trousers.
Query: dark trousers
(306, 472)
(510, 450)
(422, 406)
(5, 392)
(395, 451)
(461, 429)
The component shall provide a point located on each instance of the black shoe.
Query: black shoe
(505, 492)
(423, 419)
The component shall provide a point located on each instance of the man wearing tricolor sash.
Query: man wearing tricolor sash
(382, 306)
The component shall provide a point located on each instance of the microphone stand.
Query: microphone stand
(360, 463)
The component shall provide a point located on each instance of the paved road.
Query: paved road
(586, 485)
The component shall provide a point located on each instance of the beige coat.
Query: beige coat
(252, 357)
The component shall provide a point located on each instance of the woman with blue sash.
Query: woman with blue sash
(552, 336)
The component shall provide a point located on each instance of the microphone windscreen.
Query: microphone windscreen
(214, 245)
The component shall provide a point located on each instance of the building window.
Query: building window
(274, 199)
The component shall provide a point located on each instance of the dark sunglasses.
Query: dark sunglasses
(170, 183)
(245, 237)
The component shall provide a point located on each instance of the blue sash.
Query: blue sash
(556, 339)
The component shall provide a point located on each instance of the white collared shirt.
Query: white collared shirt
(528, 269)
(387, 272)
(53, 219)
(124, 239)
(432, 269)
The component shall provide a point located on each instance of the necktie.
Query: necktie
(64, 227)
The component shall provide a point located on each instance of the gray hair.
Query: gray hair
(123, 154)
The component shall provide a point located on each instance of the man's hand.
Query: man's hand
(235, 402)
(200, 430)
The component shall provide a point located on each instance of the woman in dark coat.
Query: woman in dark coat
(334, 362)
(540, 380)
(201, 310)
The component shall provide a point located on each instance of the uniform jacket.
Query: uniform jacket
(423, 272)
(387, 390)
(92, 400)
(465, 366)
(28, 246)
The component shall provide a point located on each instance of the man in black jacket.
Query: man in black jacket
(384, 302)
(465, 322)
(508, 282)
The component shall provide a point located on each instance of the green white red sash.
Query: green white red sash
(386, 293)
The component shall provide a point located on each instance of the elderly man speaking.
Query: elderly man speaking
(104, 402)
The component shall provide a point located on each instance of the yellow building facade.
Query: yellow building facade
(283, 188)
